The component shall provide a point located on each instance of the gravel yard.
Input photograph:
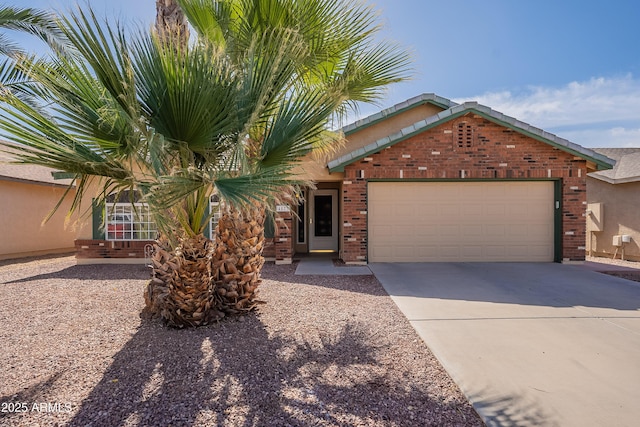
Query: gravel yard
(628, 274)
(322, 351)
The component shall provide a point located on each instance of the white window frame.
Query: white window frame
(214, 206)
(302, 219)
(129, 221)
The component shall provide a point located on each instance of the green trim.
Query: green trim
(381, 144)
(397, 111)
(557, 220)
(97, 220)
(454, 113)
(63, 175)
(458, 179)
(367, 216)
(601, 164)
(269, 225)
(207, 227)
(557, 201)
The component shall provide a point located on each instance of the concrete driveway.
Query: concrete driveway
(529, 344)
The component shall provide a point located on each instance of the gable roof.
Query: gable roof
(457, 110)
(425, 98)
(28, 173)
(626, 169)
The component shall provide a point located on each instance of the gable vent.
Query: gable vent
(464, 135)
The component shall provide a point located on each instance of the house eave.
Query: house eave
(34, 182)
(601, 162)
(614, 181)
(423, 99)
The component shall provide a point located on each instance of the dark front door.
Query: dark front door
(323, 220)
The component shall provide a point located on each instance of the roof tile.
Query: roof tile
(458, 109)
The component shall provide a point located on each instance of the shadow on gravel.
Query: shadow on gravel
(91, 272)
(28, 397)
(235, 374)
(20, 262)
(365, 284)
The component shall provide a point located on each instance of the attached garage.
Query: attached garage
(468, 184)
(461, 221)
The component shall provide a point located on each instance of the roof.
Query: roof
(28, 173)
(456, 110)
(626, 169)
(425, 98)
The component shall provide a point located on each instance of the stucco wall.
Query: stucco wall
(315, 167)
(621, 215)
(84, 226)
(23, 207)
(387, 127)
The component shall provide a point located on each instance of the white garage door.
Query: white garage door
(461, 221)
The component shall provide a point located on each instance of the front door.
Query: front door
(323, 220)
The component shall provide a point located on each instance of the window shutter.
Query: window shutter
(97, 219)
(269, 225)
(207, 228)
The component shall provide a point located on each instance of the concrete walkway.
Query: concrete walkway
(529, 344)
(322, 265)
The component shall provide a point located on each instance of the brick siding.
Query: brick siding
(269, 250)
(87, 249)
(491, 152)
(283, 240)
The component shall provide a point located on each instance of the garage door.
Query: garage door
(461, 221)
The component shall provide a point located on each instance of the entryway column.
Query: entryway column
(283, 238)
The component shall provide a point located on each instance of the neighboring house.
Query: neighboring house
(28, 193)
(613, 196)
(431, 180)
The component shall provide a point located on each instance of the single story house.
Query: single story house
(28, 194)
(613, 197)
(427, 180)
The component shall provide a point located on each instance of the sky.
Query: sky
(569, 67)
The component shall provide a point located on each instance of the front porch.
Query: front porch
(310, 226)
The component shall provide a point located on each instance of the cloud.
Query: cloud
(609, 137)
(599, 112)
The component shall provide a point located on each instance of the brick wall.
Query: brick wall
(269, 250)
(86, 249)
(469, 147)
(283, 240)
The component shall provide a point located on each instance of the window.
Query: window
(302, 238)
(126, 221)
(214, 206)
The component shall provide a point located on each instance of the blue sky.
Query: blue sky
(570, 67)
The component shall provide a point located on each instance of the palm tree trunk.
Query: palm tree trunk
(180, 291)
(171, 22)
(201, 281)
(237, 260)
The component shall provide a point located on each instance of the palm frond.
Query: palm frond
(293, 131)
(188, 95)
(234, 112)
(13, 80)
(104, 49)
(33, 21)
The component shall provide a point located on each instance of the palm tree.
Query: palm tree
(170, 21)
(38, 23)
(342, 58)
(178, 122)
(29, 20)
(344, 53)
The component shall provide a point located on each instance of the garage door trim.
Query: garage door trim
(557, 195)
